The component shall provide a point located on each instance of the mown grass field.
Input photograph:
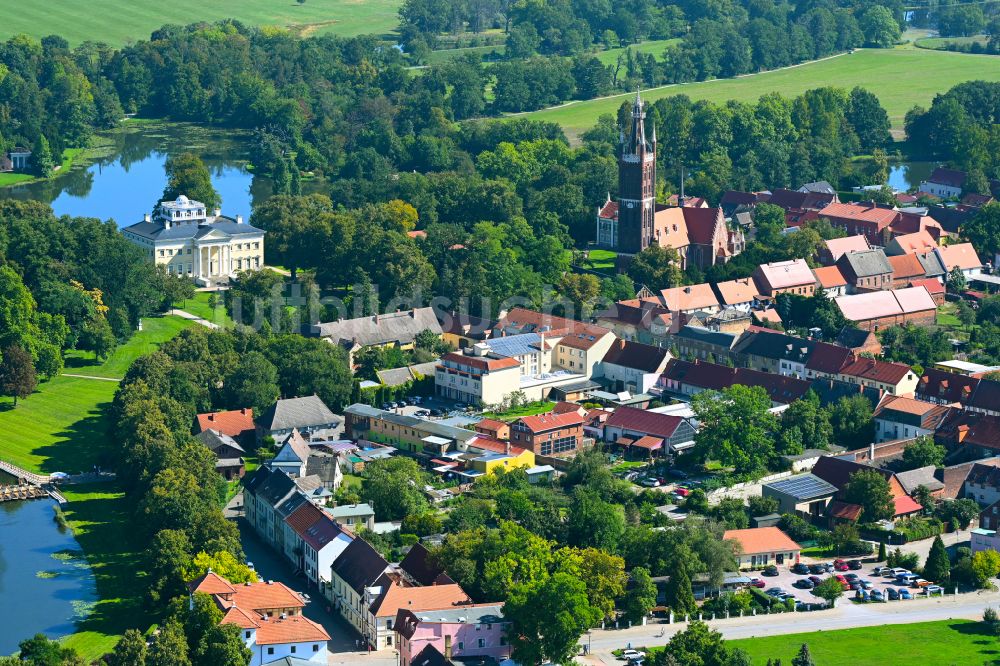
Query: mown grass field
(926, 643)
(63, 426)
(901, 78)
(116, 22)
(199, 306)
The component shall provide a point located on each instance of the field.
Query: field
(654, 46)
(117, 23)
(926, 643)
(63, 427)
(199, 307)
(900, 77)
(944, 42)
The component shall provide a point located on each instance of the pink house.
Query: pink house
(470, 631)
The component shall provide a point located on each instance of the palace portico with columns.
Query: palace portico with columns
(183, 238)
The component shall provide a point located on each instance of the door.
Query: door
(779, 558)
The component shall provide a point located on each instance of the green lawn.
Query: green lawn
(886, 72)
(927, 643)
(10, 178)
(601, 260)
(199, 307)
(528, 410)
(155, 331)
(654, 46)
(444, 55)
(97, 515)
(944, 42)
(116, 22)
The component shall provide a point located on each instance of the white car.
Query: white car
(632, 654)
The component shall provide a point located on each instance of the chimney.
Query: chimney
(147, 218)
(239, 219)
(447, 648)
(243, 410)
(871, 451)
(217, 212)
(506, 448)
(211, 417)
(963, 431)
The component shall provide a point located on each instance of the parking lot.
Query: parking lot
(786, 581)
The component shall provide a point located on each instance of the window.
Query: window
(246, 634)
(461, 645)
(315, 647)
(482, 642)
(270, 650)
(293, 649)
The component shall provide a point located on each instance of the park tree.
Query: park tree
(252, 383)
(880, 27)
(657, 268)
(678, 593)
(394, 487)
(223, 645)
(550, 616)
(870, 489)
(17, 373)
(737, 427)
(640, 596)
(39, 650)
(129, 651)
(42, 160)
(169, 647)
(187, 175)
(594, 522)
(829, 589)
(698, 645)
(298, 229)
(224, 564)
(921, 453)
(602, 573)
(803, 658)
(938, 566)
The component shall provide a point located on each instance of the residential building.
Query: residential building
(774, 352)
(236, 423)
(792, 277)
(318, 542)
(633, 366)
(945, 183)
(269, 615)
(859, 341)
(983, 484)
(394, 329)
(984, 539)
(962, 256)
(826, 360)
(188, 241)
(920, 242)
(352, 516)
(408, 433)
(651, 431)
(760, 546)
(866, 219)
(805, 495)
(640, 320)
(866, 271)
(831, 280)
(740, 294)
(986, 398)
(894, 307)
(943, 388)
(461, 330)
(263, 491)
(933, 266)
(835, 248)
(493, 428)
(396, 594)
(898, 417)
(354, 577)
(407, 375)
(476, 631)
(838, 471)
(477, 378)
(892, 378)
(306, 414)
(292, 455)
(969, 435)
(734, 201)
(906, 269)
(690, 298)
(697, 342)
(228, 453)
(550, 434)
(684, 379)
(799, 206)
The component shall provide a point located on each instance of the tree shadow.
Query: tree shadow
(80, 446)
(73, 362)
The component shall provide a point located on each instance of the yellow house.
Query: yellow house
(485, 455)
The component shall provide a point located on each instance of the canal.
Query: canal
(45, 583)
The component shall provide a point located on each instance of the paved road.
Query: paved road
(845, 616)
(342, 636)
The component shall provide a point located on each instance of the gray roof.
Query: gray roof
(156, 230)
(345, 510)
(485, 614)
(922, 476)
(820, 186)
(868, 263)
(305, 412)
(398, 327)
(511, 346)
(430, 427)
(214, 439)
(707, 336)
(399, 376)
(803, 487)
(933, 267)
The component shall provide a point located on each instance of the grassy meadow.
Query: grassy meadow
(117, 23)
(901, 78)
(155, 331)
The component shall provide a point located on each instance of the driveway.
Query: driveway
(342, 646)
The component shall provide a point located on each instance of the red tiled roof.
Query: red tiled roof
(761, 540)
(233, 423)
(609, 211)
(905, 505)
(551, 421)
(830, 277)
(691, 297)
(932, 285)
(495, 445)
(785, 274)
(636, 355)
(293, 629)
(649, 443)
(906, 266)
(962, 255)
(562, 406)
(844, 510)
(701, 223)
(915, 243)
(419, 233)
(211, 583)
(838, 247)
(827, 358)
(734, 292)
(876, 370)
(482, 362)
(640, 420)
(869, 213)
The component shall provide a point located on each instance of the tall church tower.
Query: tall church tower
(636, 184)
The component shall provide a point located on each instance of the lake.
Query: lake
(907, 175)
(127, 178)
(45, 584)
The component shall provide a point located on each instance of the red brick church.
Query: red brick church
(635, 221)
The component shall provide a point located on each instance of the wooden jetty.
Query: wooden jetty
(29, 485)
(21, 491)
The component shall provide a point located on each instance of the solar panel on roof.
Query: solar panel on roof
(805, 486)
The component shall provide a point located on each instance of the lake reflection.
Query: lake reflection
(129, 180)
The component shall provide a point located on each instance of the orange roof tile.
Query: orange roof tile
(211, 583)
(292, 629)
(264, 596)
(918, 242)
(962, 255)
(830, 277)
(416, 599)
(906, 266)
(233, 423)
(551, 421)
(761, 540)
(734, 292)
(691, 297)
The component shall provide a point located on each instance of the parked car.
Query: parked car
(906, 579)
(855, 585)
(770, 570)
(905, 594)
(682, 491)
(854, 565)
(817, 568)
(897, 572)
(815, 580)
(840, 565)
(650, 483)
(851, 577)
(920, 583)
(876, 595)
(867, 584)
(861, 595)
(631, 654)
(757, 582)
(933, 589)
(800, 568)
(774, 591)
(803, 584)
(678, 473)
(892, 593)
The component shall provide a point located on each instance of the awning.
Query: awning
(649, 443)
(624, 441)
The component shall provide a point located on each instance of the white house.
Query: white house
(633, 366)
(187, 241)
(293, 456)
(319, 541)
(944, 183)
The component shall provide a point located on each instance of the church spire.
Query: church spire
(637, 139)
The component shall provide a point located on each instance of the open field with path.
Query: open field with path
(900, 77)
(62, 427)
(117, 22)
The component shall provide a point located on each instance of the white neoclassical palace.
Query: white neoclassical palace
(186, 240)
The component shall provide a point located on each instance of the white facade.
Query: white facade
(887, 430)
(939, 190)
(983, 539)
(314, 651)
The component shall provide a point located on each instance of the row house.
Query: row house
(920, 242)
(886, 376)
(640, 320)
(866, 271)
(633, 366)
(476, 632)
(969, 435)
(906, 269)
(690, 298)
(318, 540)
(785, 277)
(685, 379)
(774, 352)
(738, 294)
(869, 220)
(698, 342)
(831, 280)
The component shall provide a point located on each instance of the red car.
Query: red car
(683, 492)
(843, 581)
(840, 565)
(757, 582)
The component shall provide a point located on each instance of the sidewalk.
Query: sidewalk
(188, 315)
